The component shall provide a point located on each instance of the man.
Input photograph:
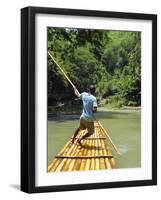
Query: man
(89, 108)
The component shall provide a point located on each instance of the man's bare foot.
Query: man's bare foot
(72, 140)
(79, 142)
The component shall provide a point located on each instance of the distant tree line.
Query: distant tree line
(111, 60)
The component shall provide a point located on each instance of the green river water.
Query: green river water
(124, 127)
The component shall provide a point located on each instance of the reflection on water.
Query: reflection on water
(123, 148)
(123, 127)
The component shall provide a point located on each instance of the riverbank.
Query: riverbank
(70, 114)
(77, 110)
(123, 109)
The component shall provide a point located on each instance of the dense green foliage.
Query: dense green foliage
(111, 60)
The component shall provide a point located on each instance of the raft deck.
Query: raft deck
(94, 154)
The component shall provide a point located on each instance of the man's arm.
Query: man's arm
(94, 106)
(76, 92)
(94, 109)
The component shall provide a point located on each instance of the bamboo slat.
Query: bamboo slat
(92, 160)
(101, 160)
(78, 160)
(70, 162)
(107, 163)
(82, 166)
(56, 162)
(111, 160)
(61, 164)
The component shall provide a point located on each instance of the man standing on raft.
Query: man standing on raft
(89, 108)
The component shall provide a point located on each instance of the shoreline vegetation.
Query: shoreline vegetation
(109, 60)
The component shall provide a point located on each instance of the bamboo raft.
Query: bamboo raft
(94, 154)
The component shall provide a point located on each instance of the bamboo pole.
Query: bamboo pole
(61, 69)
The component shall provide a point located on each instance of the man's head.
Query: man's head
(91, 89)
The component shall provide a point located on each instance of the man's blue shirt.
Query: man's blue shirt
(89, 102)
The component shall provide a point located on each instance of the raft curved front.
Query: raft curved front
(94, 154)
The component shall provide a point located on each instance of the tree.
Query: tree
(111, 60)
